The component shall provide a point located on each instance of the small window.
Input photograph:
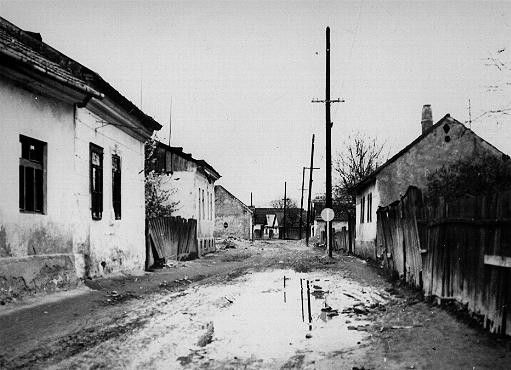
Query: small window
(116, 186)
(96, 181)
(370, 207)
(203, 214)
(362, 209)
(199, 205)
(32, 175)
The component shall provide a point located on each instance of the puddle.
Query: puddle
(274, 318)
(257, 320)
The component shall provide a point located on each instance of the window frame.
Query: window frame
(96, 196)
(370, 207)
(117, 186)
(362, 208)
(39, 190)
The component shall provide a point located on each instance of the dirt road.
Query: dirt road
(248, 307)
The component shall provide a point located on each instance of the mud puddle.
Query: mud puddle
(281, 313)
(253, 321)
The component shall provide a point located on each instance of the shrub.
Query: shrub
(472, 176)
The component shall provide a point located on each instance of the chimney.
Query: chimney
(427, 117)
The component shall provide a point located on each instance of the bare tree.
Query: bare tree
(501, 61)
(361, 156)
(279, 203)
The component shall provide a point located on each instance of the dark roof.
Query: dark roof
(199, 162)
(372, 177)
(24, 48)
(292, 216)
(234, 197)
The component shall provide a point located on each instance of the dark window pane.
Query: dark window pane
(22, 188)
(39, 190)
(25, 150)
(36, 152)
(29, 189)
(116, 186)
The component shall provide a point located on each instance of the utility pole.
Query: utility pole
(250, 199)
(301, 204)
(301, 200)
(328, 136)
(284, 226)
(307, 230)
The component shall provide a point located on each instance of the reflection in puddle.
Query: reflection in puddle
(276, 314)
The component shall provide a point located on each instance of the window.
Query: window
(116, 186)
(370, 207)
(32, 175)
(96, 181)
(362, 208)
(203, 214)
(199, 205)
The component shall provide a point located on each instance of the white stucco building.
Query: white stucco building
(191, 183)
(440, 144)
(72, 199)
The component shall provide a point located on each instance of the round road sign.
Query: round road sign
(225, 225)
(327, 214)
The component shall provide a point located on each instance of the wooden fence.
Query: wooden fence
(172, 238)
(341, 240)
(459, 250)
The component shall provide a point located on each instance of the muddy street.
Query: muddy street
(268, 304)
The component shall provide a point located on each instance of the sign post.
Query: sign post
(327, 214)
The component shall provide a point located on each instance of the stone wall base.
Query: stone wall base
(22, 276)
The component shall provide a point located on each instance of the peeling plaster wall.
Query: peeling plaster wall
(236, 214)
(33, 234)
(109, 245)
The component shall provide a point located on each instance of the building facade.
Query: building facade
(191, 184)
(72, 200)
(232, 216)
(439, 145)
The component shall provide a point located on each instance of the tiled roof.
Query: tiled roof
(12, 47)
(23, 48)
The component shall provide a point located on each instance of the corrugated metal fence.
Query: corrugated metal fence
(459, 250)
(172, 238)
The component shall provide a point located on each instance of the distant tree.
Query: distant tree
(279, 203)
(472, 176)
(359, 158)
(157, 196)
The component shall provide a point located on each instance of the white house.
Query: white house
(72, 199)
(439, 144)
(191, 183)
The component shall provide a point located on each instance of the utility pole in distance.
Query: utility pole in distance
(284, 226)
(307, 230)
(301, 200)
(301, 204)
(328, 136)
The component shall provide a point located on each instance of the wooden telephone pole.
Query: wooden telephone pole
(285, 206)
(328, 136)
(301, 200)
(307, 229)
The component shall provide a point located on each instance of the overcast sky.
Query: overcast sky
(241, 74)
